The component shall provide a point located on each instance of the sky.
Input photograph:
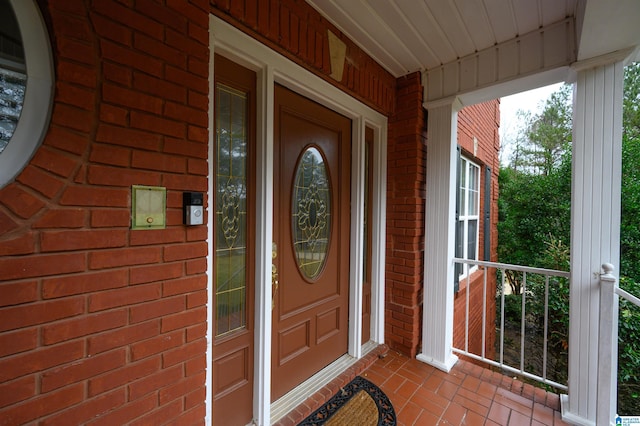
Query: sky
(532, 101)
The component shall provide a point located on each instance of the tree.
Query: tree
(535, 189)
(631, 102)
(629, 317)
(545, 137)
(630, 231)
(533, 226)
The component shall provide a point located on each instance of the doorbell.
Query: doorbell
(193, 208)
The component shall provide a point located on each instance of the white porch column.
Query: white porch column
(437, 326)
(595, 223)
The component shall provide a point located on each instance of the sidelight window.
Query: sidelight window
(231, 209)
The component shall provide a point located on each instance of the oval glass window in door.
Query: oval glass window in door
(311, 213)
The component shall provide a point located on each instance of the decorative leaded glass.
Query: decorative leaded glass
(13, 76)
(231, 210)
(311, 213)
(12, 89)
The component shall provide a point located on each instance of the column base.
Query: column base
(571, 418)
(445, 366)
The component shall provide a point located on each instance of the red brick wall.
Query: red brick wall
(406, 180)
(296, 30)
(481, 121)
(99, 322)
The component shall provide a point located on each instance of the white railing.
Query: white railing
(491, 267)
(608, 344)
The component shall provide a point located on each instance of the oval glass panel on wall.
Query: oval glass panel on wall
(13, 74)
(311, 213)
(26, 84)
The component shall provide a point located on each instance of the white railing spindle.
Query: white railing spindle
(523, 322)
(502, 317)
(607, 348)
(546, 327)
(484, 313)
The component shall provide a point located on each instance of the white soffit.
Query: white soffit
(408, 35)
(462, 46)
(537, 52)
(608, 26)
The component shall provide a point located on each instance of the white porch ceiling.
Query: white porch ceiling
(405, 36)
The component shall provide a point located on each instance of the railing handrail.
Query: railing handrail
(526, 270)
(520, 268)
(630, 297)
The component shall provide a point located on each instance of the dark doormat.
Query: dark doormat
(359, 403)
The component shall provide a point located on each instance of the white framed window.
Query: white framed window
(467, 215)
(26, 85)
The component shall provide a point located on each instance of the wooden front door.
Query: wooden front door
(312, 147)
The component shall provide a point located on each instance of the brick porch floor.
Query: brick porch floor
(424, 395)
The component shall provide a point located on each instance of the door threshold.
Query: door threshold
(300, 393)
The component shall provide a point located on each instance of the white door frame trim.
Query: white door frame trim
(271, 68)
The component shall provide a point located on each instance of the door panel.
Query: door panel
(312, 147)
(232, 371)
(233, 225)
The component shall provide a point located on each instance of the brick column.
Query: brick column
(405, 217)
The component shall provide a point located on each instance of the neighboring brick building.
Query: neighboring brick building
(103, 324)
